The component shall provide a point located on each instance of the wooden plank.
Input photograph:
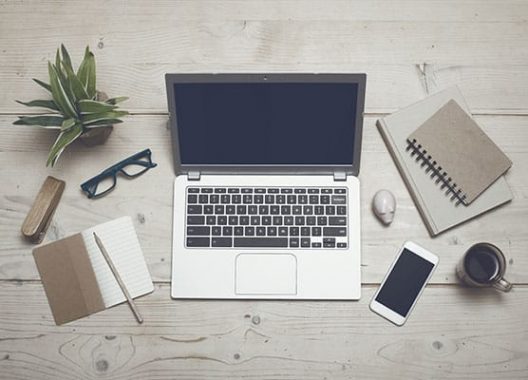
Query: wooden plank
(149, 199)
(473, 11)
(406, 54)
(453, 333)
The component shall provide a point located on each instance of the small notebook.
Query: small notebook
(437, 210)
(76, 277)
(457, 154)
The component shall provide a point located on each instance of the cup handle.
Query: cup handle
(503, 285)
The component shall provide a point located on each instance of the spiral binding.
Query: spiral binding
(431, 166)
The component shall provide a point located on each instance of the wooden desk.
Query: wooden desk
(408, 49)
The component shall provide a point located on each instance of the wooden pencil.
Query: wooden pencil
(118, 278)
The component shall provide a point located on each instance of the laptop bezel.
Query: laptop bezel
(353, 169)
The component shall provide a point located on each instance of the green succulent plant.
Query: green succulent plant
(74, 105)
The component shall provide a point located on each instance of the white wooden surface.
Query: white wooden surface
(407, 48)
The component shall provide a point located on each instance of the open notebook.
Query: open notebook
(78, 280)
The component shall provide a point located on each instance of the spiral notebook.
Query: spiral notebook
(456, 154)
(76, 277)
(437, 209)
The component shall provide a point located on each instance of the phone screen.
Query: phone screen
(404, 282)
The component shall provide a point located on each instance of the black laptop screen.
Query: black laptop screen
(266, 123)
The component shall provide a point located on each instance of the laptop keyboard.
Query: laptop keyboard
(262, 217)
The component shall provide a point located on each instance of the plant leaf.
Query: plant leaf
(57, 60)
(60, 96)
(65, 138)
(40, 103)
(101, 123)
(46, 121)
(75, 84)
(102, 116)
(66, 60)
(116, 100)
(90, 82)
(82, 71)
(67, 124)
(41, 83)
(92, 106)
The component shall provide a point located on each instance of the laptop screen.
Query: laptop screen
(266, 123)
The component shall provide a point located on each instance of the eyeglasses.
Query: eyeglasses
(131, 167)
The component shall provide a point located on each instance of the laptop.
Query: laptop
(266, 197)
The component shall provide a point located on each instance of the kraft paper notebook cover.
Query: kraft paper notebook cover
(457, 153)
(437, 210)
(77, 279)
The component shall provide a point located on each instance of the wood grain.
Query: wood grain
(453, 333)
(406, 51)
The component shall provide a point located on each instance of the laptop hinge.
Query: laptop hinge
(193, 176)
(340, 176)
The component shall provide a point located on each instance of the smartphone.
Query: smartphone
(403, 283)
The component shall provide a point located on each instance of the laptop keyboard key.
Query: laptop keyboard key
(283, 231)
(341, 210)
(192, 198)
(203, 198)
(193, 190)
(208, 209)
(216, 231)
(233, 220)
(274, 210)
(252, 210)
(261, 231)
(338, 199)
(321, 220)
(198, 242)
(239, 231)
(230, 209)
(219, 209)
(337, 221)
(222, 220)
(207, 190)
(227, 231)
(214, 198)
(196, 219)
(200, 231)
(272, 231)
(294, 231)
(305, 242)
(263, 242)
(194, 209)
(294, 242)
(211, 220)
(334, 231)
(249, 231)
(222, 242)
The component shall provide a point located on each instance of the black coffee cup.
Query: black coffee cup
(484, 265)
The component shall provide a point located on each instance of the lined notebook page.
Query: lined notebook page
(121, 242)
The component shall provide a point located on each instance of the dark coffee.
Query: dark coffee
(482, 264)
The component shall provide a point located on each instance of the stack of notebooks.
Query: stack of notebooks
(452, 169)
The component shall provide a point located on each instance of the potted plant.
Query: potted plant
(78, 109)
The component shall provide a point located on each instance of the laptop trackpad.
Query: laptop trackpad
(265, 274)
